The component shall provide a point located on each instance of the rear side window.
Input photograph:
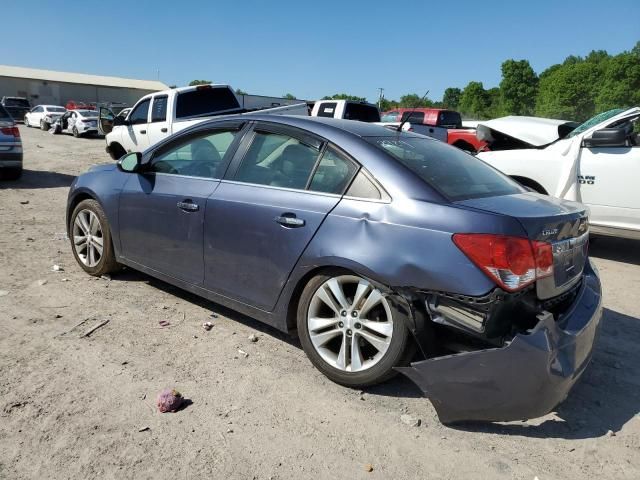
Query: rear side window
(413, 117)
(159, 110)
(449, 119)
(327, 109)
(205, 101)
(448, 170)
(277, 160)
(363, 187)
(361, 112)
(333, 174)
(390, 117)
(140, 113)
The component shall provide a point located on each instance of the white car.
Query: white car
(77, 122)
(43, 116)
(596, 163)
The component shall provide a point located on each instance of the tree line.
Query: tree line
(575, 89)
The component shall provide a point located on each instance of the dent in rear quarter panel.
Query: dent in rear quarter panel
(104, 186)
(405, 243)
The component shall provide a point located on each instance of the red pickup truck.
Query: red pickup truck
(463, 138)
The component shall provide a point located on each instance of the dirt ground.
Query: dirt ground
(74, 407)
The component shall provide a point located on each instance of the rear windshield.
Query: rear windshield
(449, 119)
(364, 113)
(453, 173)
(205, 101)
(16, 102)
(56, 109)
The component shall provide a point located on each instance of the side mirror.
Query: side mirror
(130, 163)
(607, 137)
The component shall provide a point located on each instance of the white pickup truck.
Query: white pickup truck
(346, 109)
(158, 115)
(597, 163)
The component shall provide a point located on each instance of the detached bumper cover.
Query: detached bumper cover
(525, 379)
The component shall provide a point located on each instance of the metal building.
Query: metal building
(57, 88)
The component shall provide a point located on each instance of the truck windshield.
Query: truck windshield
(453, 173)
(593, 121)
(205, 101)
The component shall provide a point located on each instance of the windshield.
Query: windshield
(450, 171)
(16, 102)
(87, 113)
(56, 109)
(593, 121)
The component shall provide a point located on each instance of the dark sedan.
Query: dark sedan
(382, 251)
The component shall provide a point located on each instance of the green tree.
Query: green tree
(518, 88)
(451, 98)
(240, 92)
(193, 83)
(289, 96)
(344, 96)
(474, 101)
(495, 108)
(386, 105)
(412, 100)
(620, 84)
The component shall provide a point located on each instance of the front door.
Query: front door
(260, 219)
(162, 211)
(608, 180)
(136, 138)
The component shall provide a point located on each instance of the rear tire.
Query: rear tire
(90, 237)
(44, 125)
(327, 334)
(75, 132)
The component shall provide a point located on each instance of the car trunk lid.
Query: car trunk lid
(562, 223)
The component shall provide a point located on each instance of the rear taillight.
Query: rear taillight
(11, 131)
(512, 262)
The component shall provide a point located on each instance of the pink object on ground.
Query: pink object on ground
(169, 400)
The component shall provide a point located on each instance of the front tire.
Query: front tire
(44, 125)
(76, 133)
(349, 330)
(90, 237)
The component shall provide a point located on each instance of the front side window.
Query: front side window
(448, 170)
(333, 174)
(413, 117)
(593, 121)
(140, 113)
(200, 156)
(277, 160)
(159, 110)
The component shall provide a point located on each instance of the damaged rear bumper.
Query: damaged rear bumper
(526, 378)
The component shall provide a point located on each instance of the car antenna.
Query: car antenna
(413, 109)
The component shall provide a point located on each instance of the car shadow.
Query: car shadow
(616, 249)
(39, 179)
(606, 397)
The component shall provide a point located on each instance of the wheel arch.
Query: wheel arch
(529, 183)
(116, 150)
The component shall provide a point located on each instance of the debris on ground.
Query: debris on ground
(57, 268)
(611, 433)
(144, 429)
(164, 323)
(94, 328)
(410, 420)
(30, 239)
(24, 202)
(368, 468)
(106, 277)
(207, 326)
(42, 282)
(214, 314)
(57, 315)
(253, 338)
(3, 293)
(169, 400)
(242, 352)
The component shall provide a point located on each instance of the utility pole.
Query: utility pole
(380, 97)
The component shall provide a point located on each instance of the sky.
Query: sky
(312, 48)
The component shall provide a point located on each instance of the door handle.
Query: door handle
(163, 129)
(188, 206)
(290, 220)
(142, 132)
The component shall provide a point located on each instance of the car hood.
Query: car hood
(103, 167)
(534, 131)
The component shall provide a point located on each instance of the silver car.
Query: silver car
(10, 147)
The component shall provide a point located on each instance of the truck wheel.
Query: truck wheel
(349, 330)
(90, 237)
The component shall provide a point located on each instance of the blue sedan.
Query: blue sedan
(383, 251)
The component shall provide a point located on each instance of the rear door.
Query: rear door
(159, 127)
(162, 211)
(264, 214)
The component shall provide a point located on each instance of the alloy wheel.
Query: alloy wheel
(350, 323)
(88, 239)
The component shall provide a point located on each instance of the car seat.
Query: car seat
(295, 165)
(205, 158)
